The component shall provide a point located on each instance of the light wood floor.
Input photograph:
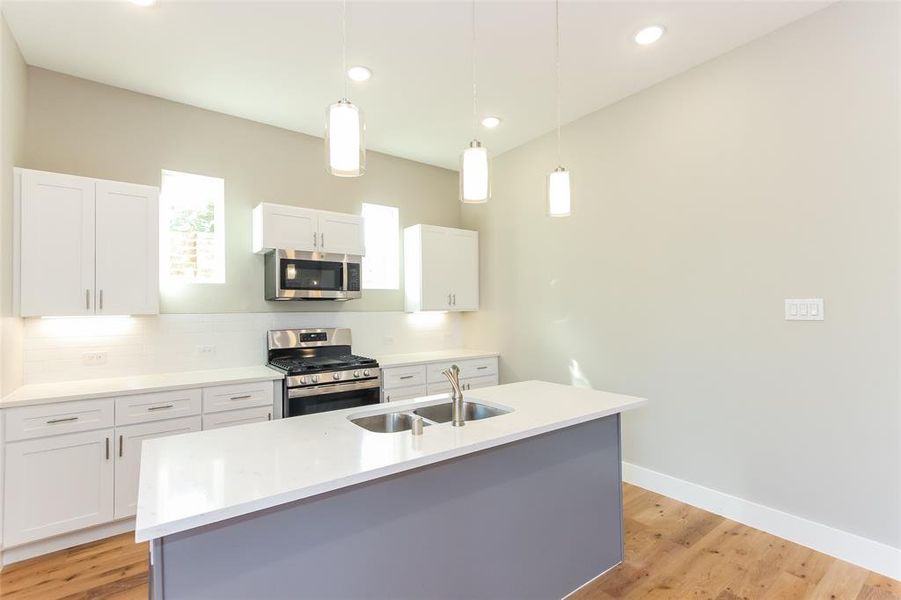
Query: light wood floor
(673, 551)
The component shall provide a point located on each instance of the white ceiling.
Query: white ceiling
(280, 62)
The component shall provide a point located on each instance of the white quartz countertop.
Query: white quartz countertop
(418, 358)
(43, 393)
(196, 479)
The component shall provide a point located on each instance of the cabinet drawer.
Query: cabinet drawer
(237, 417)
(403, 376)
(64, 417)
(469, 383)
(231, 397)
(405, 393)
(141, 408)
(473, 367)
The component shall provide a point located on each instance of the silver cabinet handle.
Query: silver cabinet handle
(387, 397)
(268, 416)
(87, 299)
(107, 448)
(101, 300)
(160, 407)
(322, 240)
(244, 397)
(314, 239)
(448, 299)
(120, 446)
(455, 299)
(406, 376)
(63, 420)
(482, 368)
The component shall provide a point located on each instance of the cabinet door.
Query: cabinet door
(57, 245)
(57, 484)
(127, 247)
(405, 393)
(463, 272)
(128, 457)
(437, 268)
(285, 228)
(341, 234)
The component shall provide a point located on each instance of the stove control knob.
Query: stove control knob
(303, 379)
(356, 373)
(366, 373)
(336, 376)
(315, 378)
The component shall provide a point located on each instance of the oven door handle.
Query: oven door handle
(332, 388)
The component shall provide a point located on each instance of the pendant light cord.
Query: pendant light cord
(344, 44)
(474, 111)
(557, 69)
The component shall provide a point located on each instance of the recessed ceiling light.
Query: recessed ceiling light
(359, 73)
(144, 3)
(649, 35)
(491, 122)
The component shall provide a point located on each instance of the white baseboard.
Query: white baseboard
(866, 553)
(66, 540)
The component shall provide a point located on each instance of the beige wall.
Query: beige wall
(12, 125)
(85, 128)
(700, 204)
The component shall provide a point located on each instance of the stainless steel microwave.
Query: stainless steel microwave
(296, 275)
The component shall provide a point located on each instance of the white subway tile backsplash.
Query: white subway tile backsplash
(141, 345)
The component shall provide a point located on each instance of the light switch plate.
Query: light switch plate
(804, 309)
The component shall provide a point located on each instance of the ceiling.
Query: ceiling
(280, 62)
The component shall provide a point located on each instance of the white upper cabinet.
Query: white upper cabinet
(86, 246)
(127, 249)
(56, 244)
(280, 227)
(340, 234)
(441, 268)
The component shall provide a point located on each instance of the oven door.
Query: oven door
(333, 396)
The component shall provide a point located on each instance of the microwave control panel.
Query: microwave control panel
(353, 277)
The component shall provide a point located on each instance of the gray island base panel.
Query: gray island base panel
(536, 518)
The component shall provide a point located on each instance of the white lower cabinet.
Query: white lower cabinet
(405, 393)
(128, 457)
(73, 465)
(414, 381)
(57, 484)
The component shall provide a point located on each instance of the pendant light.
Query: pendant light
(345, 150)
(559, 201)
(475, 179)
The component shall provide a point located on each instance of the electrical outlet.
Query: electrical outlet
(206, 349)
(804, 309)
(92, 359)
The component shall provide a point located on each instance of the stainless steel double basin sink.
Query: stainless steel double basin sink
(434, 414)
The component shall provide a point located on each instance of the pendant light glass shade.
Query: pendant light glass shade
(475, 180)
(345, 147)
(559, 202)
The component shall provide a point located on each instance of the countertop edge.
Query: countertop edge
(143, 534)
(461, 354)
(113, 391)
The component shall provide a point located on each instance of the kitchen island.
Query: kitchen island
(320, 507)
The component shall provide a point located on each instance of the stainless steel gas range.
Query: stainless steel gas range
(320, 372)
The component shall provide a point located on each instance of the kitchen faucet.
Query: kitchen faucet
(453, 375)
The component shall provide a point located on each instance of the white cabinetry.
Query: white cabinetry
(414, 381)
(128, 457)
(441, 268)
(57, 484)
(281, 227)
(72, 465)
(86, 246)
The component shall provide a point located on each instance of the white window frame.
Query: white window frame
(381, 230)
(205, 184)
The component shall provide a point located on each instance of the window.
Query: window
(381, 265)
(192, 228)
